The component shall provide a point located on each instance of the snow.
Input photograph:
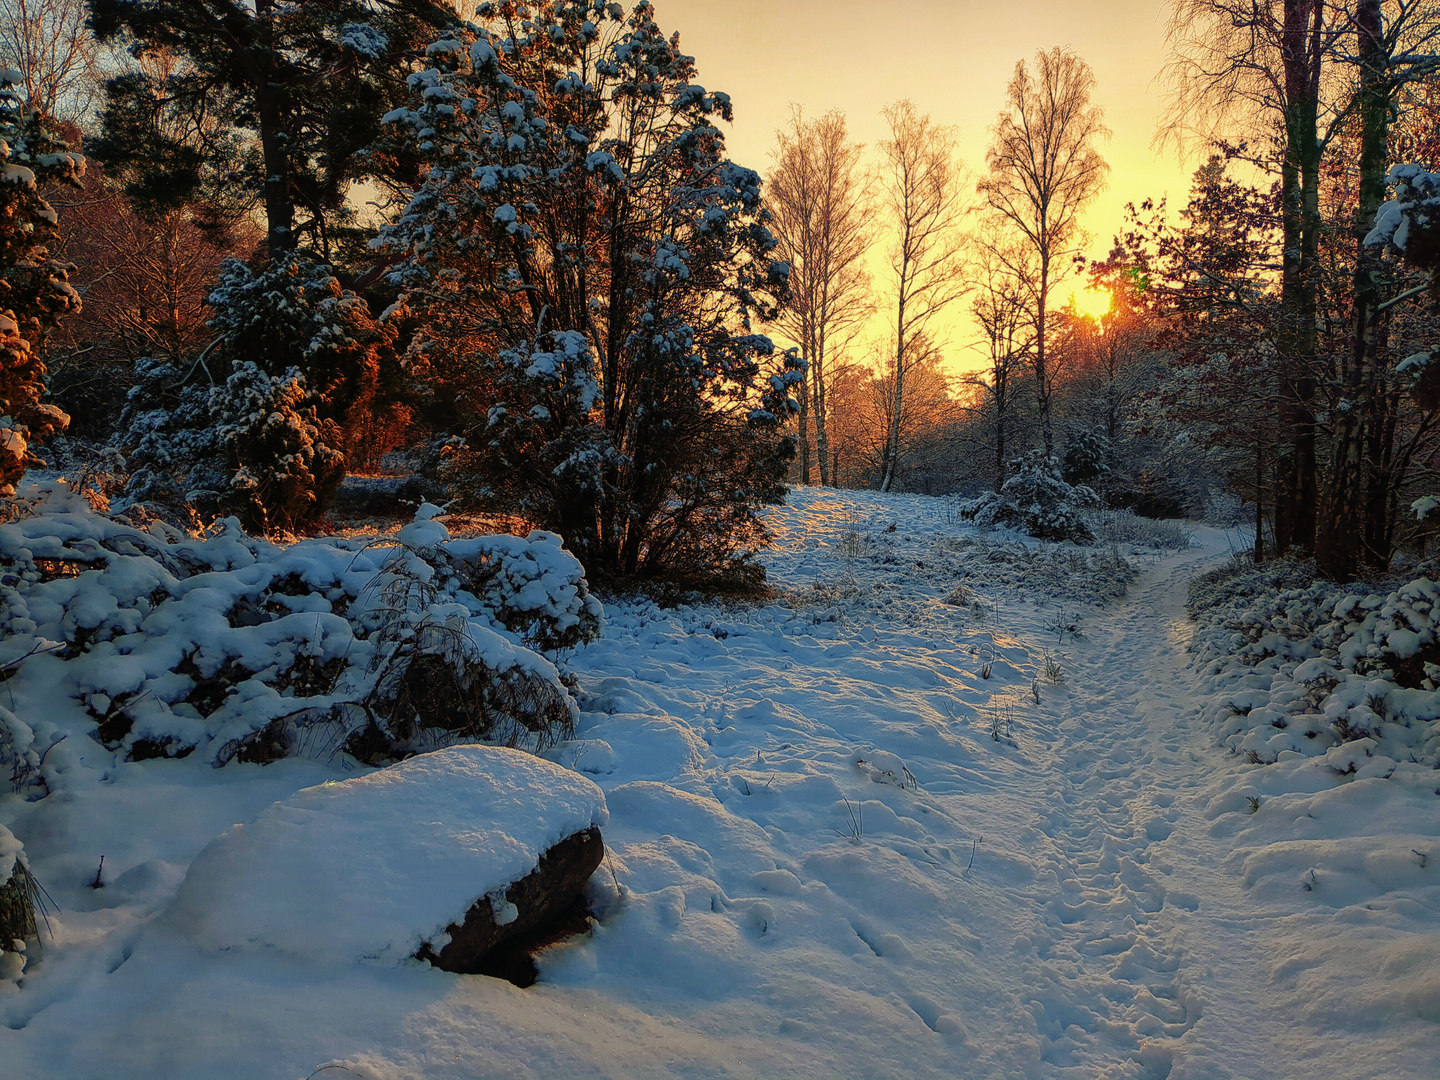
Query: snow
(372, 867)
(869, 826)
(10, 850)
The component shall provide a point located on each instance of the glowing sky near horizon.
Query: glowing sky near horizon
(953, 58)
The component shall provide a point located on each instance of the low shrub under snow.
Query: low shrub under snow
(237, 648)
(18, 896)
(1294, 666)
(1038, 501)
(1056, 573)
(1128, 527)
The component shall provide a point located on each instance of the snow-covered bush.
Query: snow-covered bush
(34, 293)
(1038, 500)
(1295, 665)
(252, 447)
(295, 314)
(238, 648)
(299, 355)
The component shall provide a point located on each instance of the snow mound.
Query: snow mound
(374, 866)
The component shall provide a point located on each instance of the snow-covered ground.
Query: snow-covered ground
(845, 839)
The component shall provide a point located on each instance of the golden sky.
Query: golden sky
(953, 58)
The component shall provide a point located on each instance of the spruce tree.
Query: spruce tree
(34, 292)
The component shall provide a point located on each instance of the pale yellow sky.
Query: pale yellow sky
(953, 58)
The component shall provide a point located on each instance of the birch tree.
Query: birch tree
(923, 183)
(1000, 309)
(820, 198)
(1044, 170)
(61, 65)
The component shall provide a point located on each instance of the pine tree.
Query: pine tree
(592, 266)
(310, 79)
(254, 426)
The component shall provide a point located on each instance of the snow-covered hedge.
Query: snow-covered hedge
(1038, 500)
(237, 648)
(1296, 666)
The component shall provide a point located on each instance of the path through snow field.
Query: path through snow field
(878, 826)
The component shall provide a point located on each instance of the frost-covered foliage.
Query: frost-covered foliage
(34, 293)
(239, 649)
(1038, 500)
(1128, 527)
(1086, 458)
(590, 266)
(19, 898)
(254, 428)
(1054, 573)
(1298, 666)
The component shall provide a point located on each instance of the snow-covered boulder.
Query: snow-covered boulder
(501, 930)
(378, 867)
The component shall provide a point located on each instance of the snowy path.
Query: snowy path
(1108, 985)
(822, 862)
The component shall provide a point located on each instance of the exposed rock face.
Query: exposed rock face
(502, 930)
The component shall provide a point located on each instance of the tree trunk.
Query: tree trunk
(892, 435)
(999, 448)
(279, 210)
(1259, 553)
(1042, 397)
(817, 390)
(804, 402)
(1338, 541)
(1295, 508)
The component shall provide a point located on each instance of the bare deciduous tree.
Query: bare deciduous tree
(59, 61)
(1001, 310)
(924, 185)
(820, 198)
(1044, 171)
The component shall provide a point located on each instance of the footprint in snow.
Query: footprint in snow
(938, 1021)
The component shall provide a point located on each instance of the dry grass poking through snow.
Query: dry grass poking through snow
(1055, 572)
(1127, 527)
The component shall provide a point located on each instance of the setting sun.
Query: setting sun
(1092, 302)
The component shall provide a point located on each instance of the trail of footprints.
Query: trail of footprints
(1109, 995)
